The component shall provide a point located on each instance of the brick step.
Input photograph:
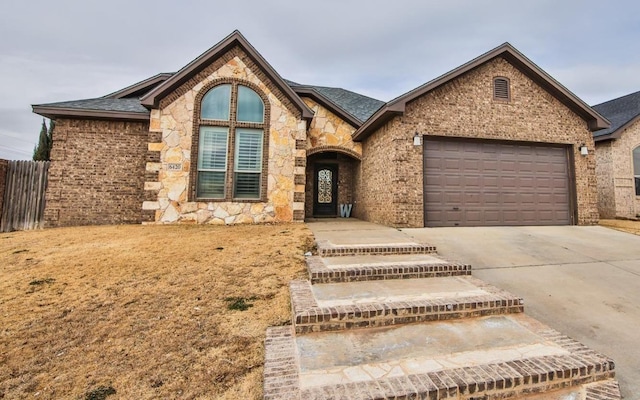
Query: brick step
(495, 357)
(605, 390)
(602, 390)
(370, 268)
(338, 306)
(328, 249)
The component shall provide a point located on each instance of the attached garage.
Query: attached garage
(471, 182)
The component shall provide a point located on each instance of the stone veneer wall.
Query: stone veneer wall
(616, 185)
(4, 167)
(173, 123)
(392, 177)
(97, 173)
(328, 131)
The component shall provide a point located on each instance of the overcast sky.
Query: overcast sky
(70, 49)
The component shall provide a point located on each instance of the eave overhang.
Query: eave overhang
(59, 112)
(305, 91)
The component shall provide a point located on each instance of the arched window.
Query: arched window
(231, 144)
(636, 168)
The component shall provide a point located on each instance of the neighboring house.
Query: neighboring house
(618, 158)
(227, 140)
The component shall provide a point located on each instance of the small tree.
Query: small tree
(42, 152)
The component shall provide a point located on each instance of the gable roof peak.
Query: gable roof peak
(235, 38)
(514, 57)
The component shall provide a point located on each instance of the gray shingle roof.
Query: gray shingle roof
(359, 106)
(102, 104)
(619, 111)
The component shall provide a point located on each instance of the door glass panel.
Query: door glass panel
(325, 178)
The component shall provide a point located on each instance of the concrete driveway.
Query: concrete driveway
(582, 281)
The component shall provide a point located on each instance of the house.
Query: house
(227, 140)
(618, 158)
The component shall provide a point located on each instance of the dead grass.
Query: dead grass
(622, 225)
(142, 310)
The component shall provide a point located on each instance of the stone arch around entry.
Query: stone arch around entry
(336, 149)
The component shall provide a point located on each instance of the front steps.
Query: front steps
(398, 322)
(326, 307)
(328, 249)
(531, 360)
(364, 268)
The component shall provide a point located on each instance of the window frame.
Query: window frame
(233, 125)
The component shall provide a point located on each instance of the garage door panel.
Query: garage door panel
(470, 181)
(473, 183)
(490, 182)
(558, 183)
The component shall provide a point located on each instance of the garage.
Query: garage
(492, 183)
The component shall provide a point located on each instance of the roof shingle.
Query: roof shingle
(101, 104)
(360, 106)
(619, 112)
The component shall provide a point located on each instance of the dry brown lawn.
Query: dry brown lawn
(143, 310)
(622, 225)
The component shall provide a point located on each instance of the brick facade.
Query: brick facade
(4, 166)
(97, 173)
(391, 179)
(376, 177)
(614, 167)
(131, 172)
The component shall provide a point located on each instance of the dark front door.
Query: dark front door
(325, 196)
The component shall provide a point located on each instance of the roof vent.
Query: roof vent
(501, 89)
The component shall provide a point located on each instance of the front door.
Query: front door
(325, 196)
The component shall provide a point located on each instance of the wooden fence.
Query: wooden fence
(23, 205)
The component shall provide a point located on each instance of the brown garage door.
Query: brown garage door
(486, 183)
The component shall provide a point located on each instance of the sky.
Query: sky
(63, 50)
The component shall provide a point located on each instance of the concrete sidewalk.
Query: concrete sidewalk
(581, 280)
(352, 231)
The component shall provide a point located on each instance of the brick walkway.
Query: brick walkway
(396, 321)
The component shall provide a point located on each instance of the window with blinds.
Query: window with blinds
(212, 162)
(231, 139)
(501, 90)
(248, 164)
